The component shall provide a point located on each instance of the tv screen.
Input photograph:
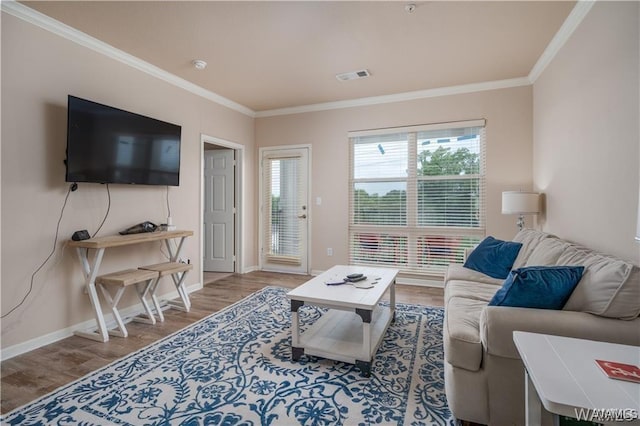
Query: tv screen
(109, 145)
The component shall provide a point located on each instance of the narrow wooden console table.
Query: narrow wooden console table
(91, 267)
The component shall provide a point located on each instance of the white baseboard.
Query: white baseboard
(126, 313)
(420, 282)
(250, 269)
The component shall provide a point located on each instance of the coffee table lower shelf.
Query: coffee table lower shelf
(345, 336)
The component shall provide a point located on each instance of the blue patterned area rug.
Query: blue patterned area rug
(234, 368)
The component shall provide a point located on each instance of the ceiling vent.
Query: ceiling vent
(354, 75)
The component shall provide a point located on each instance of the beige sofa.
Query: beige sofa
(484, 376)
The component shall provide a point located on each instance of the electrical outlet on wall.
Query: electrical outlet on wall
(329, 251)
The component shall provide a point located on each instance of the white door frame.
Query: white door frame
(239, 158)
(260, 207)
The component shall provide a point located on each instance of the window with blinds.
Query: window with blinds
(417, 195)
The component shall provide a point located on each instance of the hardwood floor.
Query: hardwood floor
(29, 376)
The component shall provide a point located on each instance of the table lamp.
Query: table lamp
(520, 203)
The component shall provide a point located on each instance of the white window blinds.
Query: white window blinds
(417, 195)
(283, 198)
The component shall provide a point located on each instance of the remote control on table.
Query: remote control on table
(356, 279)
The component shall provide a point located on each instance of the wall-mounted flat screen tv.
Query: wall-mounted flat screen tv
(109, 145)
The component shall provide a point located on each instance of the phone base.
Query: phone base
(140, 228)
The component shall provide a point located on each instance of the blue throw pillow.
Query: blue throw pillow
(493, 257)
(542, 287)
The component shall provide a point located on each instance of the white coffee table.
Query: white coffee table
(353, 327)
(562, 375)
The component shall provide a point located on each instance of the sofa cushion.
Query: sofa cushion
(609, 287)
(493, 257)
(464, 301)
(470, 290)
(461, 333)
(457, 272)
(547, 252)
(542, 287)
(529, 239)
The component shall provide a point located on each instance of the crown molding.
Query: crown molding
(56, 27)
(399, 97)
(570, 24)
(45, 22)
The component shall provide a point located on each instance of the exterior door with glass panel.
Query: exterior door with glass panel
(284, 210)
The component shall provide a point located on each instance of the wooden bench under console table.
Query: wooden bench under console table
(91, 267)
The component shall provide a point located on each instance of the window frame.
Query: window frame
(411, 236)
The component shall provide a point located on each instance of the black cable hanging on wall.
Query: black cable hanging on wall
(53, 250)
(107, 212)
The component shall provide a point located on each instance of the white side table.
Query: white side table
(562, 375)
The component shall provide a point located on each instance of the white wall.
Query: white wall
(586, 132)
(39, 70)
(509, 154)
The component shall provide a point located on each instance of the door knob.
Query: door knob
(302, 216)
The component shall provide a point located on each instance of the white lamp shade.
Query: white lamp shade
(517, 202)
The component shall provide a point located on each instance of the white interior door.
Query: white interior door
(284, 210)
(219, 210)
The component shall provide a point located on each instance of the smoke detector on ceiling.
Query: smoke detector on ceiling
(199, 64)
(353, 75)
(410, 8)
